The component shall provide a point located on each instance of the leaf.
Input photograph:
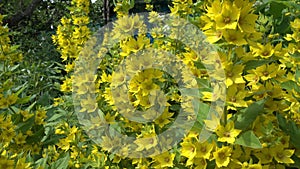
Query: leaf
(191, 92)
(290, 128)
(21, 89)
(25, 126)
(203, 112)
(276, 9)
(249, 114)
(203, 83)
(55, 117)
(248, 139)
(62, 163)
(296, 160)
(290, 85)
(23, 100)
(31, 106)
(42, 162)
(252, 64)
(202, 115)
(297, 74)
(37, 136)
(44, 100)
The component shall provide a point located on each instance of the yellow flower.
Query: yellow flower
(215, 9)
(164, 119)
(21, 164)
(246, 165)
(6, 163)
(146, 142)
(227, 133)
(204, 149)
(20, 139)
(252, 78)
(265, 156)
(165, 160)
(40, 115)
(267, 71)
(82, 20)
(213, 35)
(11, 99)
(246, 21)
(212, 124)
(134, 45)
(57, 101)
(125, 26)
(264, 51)
(200, 163)
(188, 150)
(234, 74)
(88, 104)
(67, 85)
(235, 96)
(215, 95)
(153, 17)
(282, 155)
(222, 156)
(228, 17)
(234, 37)
(105, 78)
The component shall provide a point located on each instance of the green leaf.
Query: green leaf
(297, 74)
(23, 100)
(276, 9)
(62, 163)
(290, 128)
(37, 136)
(290, 85)
(44, 100)
(203, 112)
(296, 160)
(203, 83)
(248, 139)
(31, 106)
(25, 126)
(191, 92)
(42, 162)
(202, 115)
(252, 64)
(55, 117)
(247, 116)
(21, 89)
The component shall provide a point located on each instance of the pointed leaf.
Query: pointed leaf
(249, 114)
(248, 139)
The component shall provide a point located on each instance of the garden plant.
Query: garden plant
(203, 84)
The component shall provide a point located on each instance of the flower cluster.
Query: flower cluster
(260, 85)
(71, 36)
(143, 89)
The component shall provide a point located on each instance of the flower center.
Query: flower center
(280, 155)
(222, 155)
(233, 99)
(226, 134)
(227, 20)
(265, 53)
(229, 74)
(265, 73)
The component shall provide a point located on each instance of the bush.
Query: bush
(225, 77)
